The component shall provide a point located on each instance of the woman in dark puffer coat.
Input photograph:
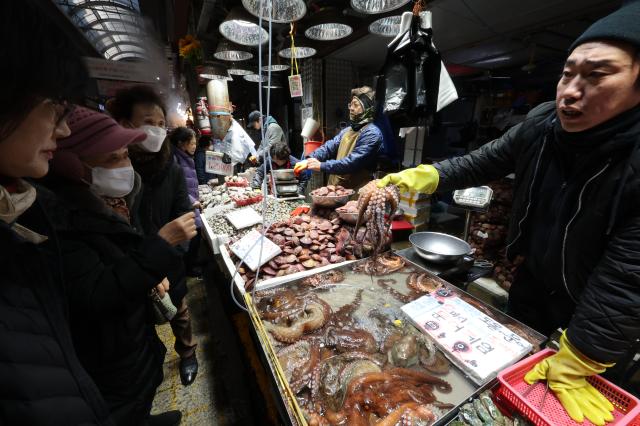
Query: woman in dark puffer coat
(183, 140)
(41, 379)
(111, 268)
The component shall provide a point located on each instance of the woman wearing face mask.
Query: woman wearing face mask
(110, 267)
(42, 382)
(183, 141)
(164, 197)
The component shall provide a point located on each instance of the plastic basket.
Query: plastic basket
(310, 146)
(512, 386)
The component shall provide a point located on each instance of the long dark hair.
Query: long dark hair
(121, 106)
(181, 135)
(38, 61)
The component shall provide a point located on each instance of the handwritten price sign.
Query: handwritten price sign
(214, 164)
(475, 342)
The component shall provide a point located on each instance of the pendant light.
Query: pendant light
(278, 11)
(277, 64)
(214, 71)
(229, 51)
(240, 69)
(377, 6)
(328, 24)
(305, 48)
(240, 27)
(387, 27)
(255, 78)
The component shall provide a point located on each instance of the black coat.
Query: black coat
(163, 198)
(110, 269)
(599, 266)
(41, 379)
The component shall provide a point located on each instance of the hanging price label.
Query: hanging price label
(215, 165)
(295, 86)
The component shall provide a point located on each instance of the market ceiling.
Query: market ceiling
(487, 34)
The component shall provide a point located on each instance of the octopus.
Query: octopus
(350, 339)
(412, 349)
(422, 282)
(331, 277)
(385, 264)
(373, 203)
(389, 397)
(314, 315)
(343, 317)
(298, 363)
(387, 285)
(279, 304)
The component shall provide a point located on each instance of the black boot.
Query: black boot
(169, 418)
(188, 369)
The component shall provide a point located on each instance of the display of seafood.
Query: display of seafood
(348, 352)
(374, 203)
(306, 242)
(483, 411)
(235, 181)
(332, 191)
(352, 357)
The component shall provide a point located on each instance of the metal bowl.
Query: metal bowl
(439, 248)
(283, 174)
(334, 201)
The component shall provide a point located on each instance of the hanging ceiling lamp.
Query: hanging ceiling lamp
(277, 64)
(254, 78)
(388, 26)
(305, 48)
(214, 71)
(328, 24)
(240, 69)
(240, 27)
(377, 6)
(229, 51)
(284, 11)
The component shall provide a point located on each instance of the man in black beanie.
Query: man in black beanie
(576, 214)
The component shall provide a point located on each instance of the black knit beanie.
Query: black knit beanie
(621, 25)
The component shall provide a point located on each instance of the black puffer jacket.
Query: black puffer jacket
(41, 380)
(600, 249)
(110, 269)
(162, 199)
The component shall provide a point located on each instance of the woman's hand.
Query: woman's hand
(179, 230)
(163, 287)
(313, 164)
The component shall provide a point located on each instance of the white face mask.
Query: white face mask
(113, 183)
(155, 137)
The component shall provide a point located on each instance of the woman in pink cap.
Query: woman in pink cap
(111, 268)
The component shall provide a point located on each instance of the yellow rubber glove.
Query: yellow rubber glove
(566, 373)
(299, 167)
(423, 178)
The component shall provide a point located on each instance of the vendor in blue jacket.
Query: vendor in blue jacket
(281, 158)
(350, 157)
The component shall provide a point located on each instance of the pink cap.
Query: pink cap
(92, 133)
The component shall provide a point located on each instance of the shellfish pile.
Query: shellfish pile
(307, 242)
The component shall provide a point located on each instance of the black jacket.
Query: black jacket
(110, 269)
(41, 379)
(163, 198)
(599, 265)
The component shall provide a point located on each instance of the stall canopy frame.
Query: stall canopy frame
(114, 27)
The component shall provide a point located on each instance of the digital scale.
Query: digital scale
(286, 187)
(475, 199)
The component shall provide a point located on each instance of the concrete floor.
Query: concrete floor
(201, 403)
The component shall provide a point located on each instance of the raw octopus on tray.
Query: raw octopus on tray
(344, 372)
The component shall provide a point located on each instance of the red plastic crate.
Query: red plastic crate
(512, 386)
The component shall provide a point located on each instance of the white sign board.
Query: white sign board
(215, 165)
(120, 70)
(478, 344)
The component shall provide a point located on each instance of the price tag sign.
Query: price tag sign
(295, 86)
(478, 344)
(215, 165)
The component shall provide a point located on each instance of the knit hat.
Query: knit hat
(253, 117)
(621, 25)
(365, 95)
(92, 133)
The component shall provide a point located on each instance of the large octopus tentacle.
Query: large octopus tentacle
(316, 314)
(303, 376)
(386, 285)
(419, 377)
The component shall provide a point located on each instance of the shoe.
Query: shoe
(169, 418)
(188, 370)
